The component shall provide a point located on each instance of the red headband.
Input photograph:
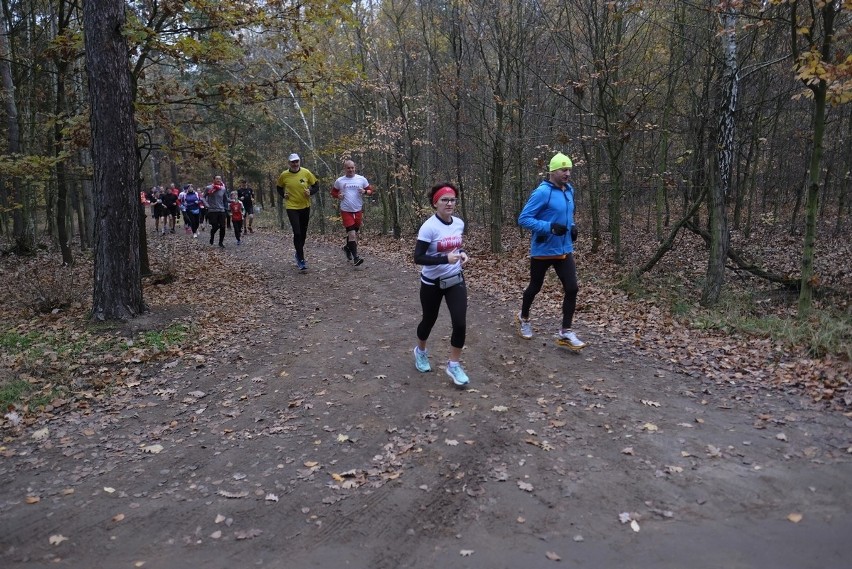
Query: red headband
(441, 193)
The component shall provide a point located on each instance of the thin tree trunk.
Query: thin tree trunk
(22, 229)
(725, 159)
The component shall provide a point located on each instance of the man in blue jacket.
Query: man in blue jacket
(549, 215)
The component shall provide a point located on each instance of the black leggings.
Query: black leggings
(217, 223)
(299, 222)
(430, 300)
(567, 273)
(193, 220)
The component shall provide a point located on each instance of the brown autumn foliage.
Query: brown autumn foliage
(65, 360)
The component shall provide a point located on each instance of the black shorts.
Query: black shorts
(172, 210)
(249, 209)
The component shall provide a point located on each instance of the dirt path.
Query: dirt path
(307, 439)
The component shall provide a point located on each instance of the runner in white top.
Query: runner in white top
(439, 250)
(350, 189)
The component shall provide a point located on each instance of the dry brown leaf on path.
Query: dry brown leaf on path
(553, 556)
(466, 552)
(247, 534)
(525, 486)
(57, 539)
(795, 517)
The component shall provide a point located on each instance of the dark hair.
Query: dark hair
(437, 187)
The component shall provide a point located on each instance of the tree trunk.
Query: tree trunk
(725, 159)
(117, 291)
(22, 229)
(820, 90)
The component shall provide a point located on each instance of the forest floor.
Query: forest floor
(289, 429)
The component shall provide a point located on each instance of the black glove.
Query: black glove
(573, 233)
(558, 229)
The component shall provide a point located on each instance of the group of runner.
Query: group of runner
(548, 214)
(212, 206)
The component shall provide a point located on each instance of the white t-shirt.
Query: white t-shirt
(442, 238)
(350, 189)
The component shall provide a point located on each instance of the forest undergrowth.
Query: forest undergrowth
(54, 357)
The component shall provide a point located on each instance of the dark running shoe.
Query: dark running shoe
(348, 252)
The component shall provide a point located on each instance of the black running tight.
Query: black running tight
(430, 300)
(567, 273)
(299, 219)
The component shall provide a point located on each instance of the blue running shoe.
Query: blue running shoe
(300, 262)
(421, 360)
(458, 375)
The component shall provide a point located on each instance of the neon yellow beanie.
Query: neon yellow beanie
(559, 161)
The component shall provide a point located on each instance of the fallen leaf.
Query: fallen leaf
(153, 449)
(781, 437)
(552, 556)
(341, 438)
(118, 517)
(650, 427)
(578, 538)
(795, 517)
(227, 494)
(521, 520)
(247, 534)
(57, 539)
(466, 552)
(634, 525)
(32, 500)
(627, 450)
(109, 490)
(525, 486)
(650, 403)
(624, 517)
(271, 498)
(41, 434)
(216, 534)
(451, 442)
(499, 408)
(219, 519)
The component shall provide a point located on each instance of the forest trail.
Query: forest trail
(307, 439)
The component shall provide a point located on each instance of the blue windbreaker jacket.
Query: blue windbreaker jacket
(549, 204)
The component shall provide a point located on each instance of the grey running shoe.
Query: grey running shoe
(569, 339)
(525, 330)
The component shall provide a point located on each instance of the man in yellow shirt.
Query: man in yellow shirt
(296, 185)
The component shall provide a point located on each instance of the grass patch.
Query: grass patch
(164, 339)
(14, 392)
(824, 332)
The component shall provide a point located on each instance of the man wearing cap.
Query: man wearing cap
(549, 215)
(296, 185)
